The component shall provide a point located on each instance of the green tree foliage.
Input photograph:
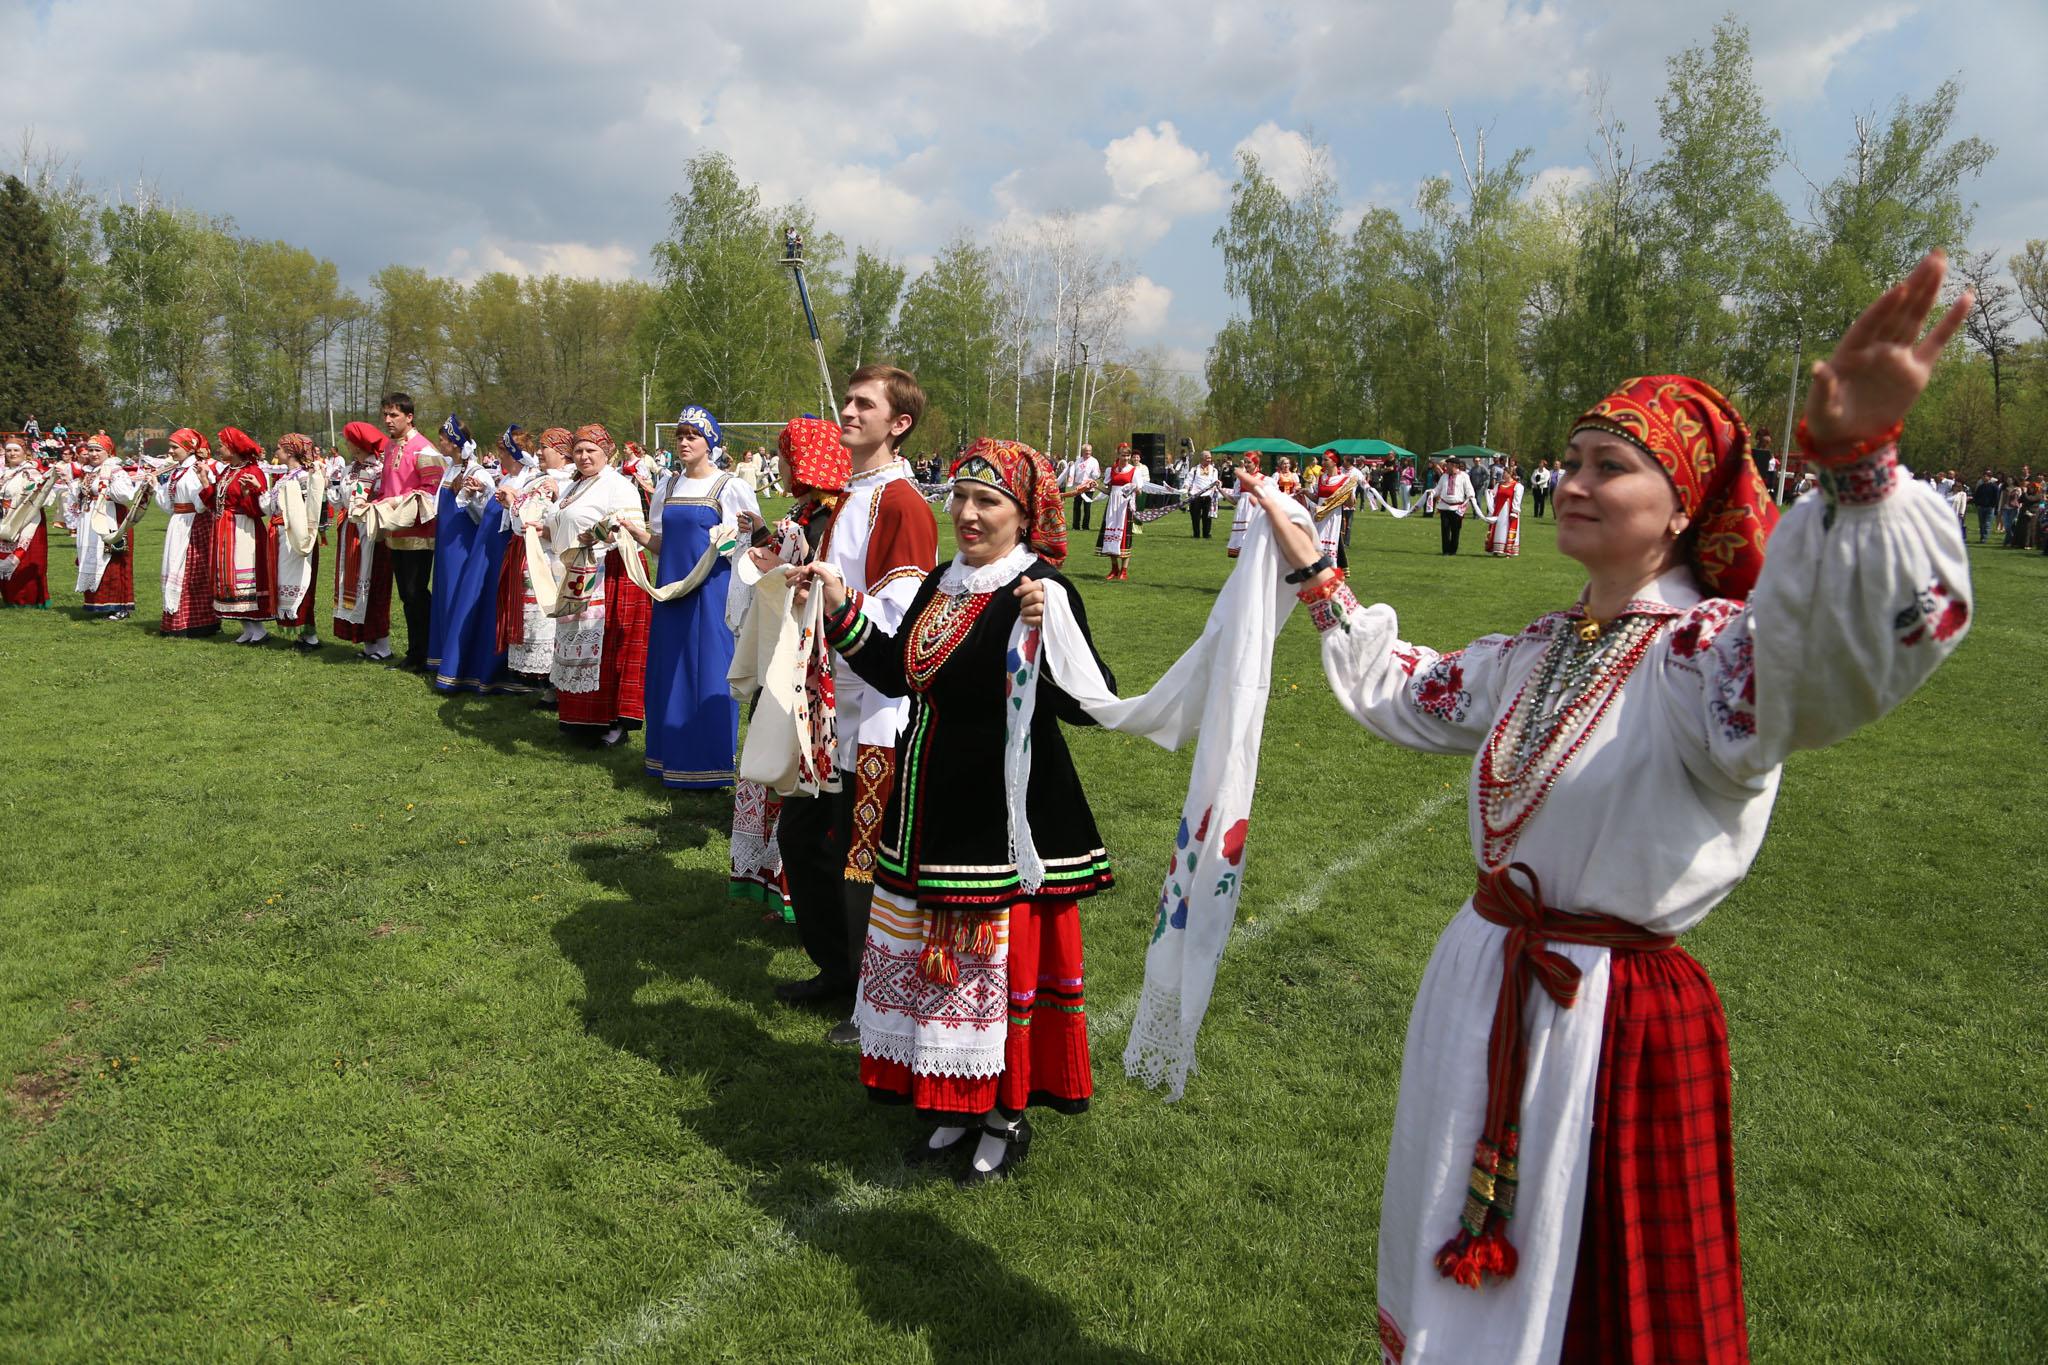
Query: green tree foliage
(948, 336)
(870, 310)
(43, 369)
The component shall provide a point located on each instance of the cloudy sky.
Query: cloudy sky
(538, 135)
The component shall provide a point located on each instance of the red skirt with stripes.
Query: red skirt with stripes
(195, 611)
(117, 584)
(1045, 1052)
(622, 673)
(29, 584)
(1659, 1276)
(377, 612)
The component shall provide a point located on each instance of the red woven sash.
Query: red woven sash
(1512, 898)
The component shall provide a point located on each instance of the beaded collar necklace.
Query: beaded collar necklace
(1552, 717)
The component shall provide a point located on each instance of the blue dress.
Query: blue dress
(693, 723)
(463, 642)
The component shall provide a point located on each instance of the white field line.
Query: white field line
(658, 1319)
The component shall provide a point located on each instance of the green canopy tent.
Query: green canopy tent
(1469, 453)
(1265, 445)
(1377, 450)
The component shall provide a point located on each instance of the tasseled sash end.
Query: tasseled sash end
(1481, 1247)
(948, 933)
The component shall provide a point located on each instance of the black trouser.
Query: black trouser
(831, 911)
(1202, 514)
(1080, 518)
(412, 578)
(1542, 496)
(1448, 524)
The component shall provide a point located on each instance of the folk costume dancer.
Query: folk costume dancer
(1205, 483)
(600, 666)
(412, 465)
(362, 562)
(814, 466)
(971, 989)
(244, 552)
(882, 542)
(526, 633)
(1504, 523)
(25, 493)
(102, 525)
(1083, 479)
(1561, 1180)
(469, 552)
(1248, 509)
(182, 489)
(1452, 498)
(296, 502)
(1335, 489)
(693, 723)
(1125, 481)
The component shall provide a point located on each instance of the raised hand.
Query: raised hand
(1883, 363)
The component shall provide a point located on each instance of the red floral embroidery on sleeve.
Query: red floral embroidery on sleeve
(1440, 691)
(1933, 611)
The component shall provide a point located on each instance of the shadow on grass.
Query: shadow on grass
(790, 1115)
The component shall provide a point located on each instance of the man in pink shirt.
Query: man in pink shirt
(412, 464)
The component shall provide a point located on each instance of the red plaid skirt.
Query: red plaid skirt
(117, 583)
(195, 604)
(1659, 1278)
(622, 674)
(1045, 1052)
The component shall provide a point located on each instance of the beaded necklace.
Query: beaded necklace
(941, 628)
(1550, 720)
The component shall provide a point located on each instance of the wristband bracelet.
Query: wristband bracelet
(1327, 588)
(1859, 450)
(1303, 575)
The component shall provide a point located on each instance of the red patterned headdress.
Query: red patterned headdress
(103, 441)
(236, 441)
(1027, 477)
(633, 449)
(1699, 439)
(595, 433)
(189, 441)
(365, 438)
(557, 439)
(295, 444)
(817, 454)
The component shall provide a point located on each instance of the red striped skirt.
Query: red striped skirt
(1659, 1277)
(512, 595)
(622, 673)
(377, 615)
(29, 584)
(117, 583)
(1045, 1052)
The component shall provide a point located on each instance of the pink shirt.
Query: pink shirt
(412, 465)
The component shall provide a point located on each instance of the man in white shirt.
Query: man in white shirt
(1203, 484)
(1454, 498)
(1082, 479)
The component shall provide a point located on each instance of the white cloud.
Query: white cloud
(1799, 70)
(1285, 156)
(1558, 180)
(1149, 304)
(1154, 166)
(609, 261)
(1492, 49)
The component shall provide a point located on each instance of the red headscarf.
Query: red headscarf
(633, 449)
(557, 439)
(1699, 439)
(365, 438)
(1028, 478)
(103, 441)
(597, 435)
(296, 444)
(817, 454)
(189, 441)
(235, 441)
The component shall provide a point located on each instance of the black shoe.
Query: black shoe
(809, 992)
(922, 1153)
(845, 1033)
(1018, 1143)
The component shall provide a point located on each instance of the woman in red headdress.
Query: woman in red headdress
(182, 489)
(244, 550)
(25, 492)
(1560, 1182)
(970, 996)
(362, 564)
(101, 497)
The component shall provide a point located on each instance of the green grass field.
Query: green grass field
(348, 1021)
